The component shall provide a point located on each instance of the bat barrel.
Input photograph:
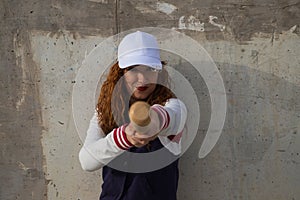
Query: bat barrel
(139, 113)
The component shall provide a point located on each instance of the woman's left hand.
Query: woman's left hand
(137, 139)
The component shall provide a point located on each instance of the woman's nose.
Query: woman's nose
(141, 76)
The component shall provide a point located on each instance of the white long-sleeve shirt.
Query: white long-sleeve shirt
(99, 150)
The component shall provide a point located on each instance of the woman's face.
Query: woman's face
(140, 81)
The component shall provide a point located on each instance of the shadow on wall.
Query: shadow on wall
(257, 156)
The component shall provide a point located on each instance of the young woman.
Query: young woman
(139, 75)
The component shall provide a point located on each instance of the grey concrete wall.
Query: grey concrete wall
(255, 45)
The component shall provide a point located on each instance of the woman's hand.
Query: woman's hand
(142, 135)
(137, 139)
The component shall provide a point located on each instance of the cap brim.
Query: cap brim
(127, 61)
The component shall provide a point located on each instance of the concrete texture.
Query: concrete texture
(255, 45)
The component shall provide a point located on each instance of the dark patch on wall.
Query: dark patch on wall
(243, 18)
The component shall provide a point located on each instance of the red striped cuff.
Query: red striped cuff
(120, 138)
(163, 115)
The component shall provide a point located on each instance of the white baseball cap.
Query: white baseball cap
(139, 48)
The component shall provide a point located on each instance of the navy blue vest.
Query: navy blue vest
(157, 185)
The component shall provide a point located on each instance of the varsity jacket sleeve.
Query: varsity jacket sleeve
(173, 118)
(98, 149)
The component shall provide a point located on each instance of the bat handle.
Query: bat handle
(139, 113)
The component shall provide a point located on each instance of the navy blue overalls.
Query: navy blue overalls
(157, 185)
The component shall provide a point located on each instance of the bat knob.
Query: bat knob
(139, 113)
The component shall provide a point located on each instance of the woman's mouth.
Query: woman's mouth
(142, 88)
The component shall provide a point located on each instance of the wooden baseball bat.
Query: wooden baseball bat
(139, 114)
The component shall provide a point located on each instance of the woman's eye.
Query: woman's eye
(150, 70)
(154, 70)
(137, 70)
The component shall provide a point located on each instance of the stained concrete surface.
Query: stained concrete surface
(44, 42)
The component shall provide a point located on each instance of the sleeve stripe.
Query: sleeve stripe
(163, 114)
(168, 120)
(124, 139)
(117, 140)
(120, 138)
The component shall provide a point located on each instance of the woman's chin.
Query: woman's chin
(140, 95)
